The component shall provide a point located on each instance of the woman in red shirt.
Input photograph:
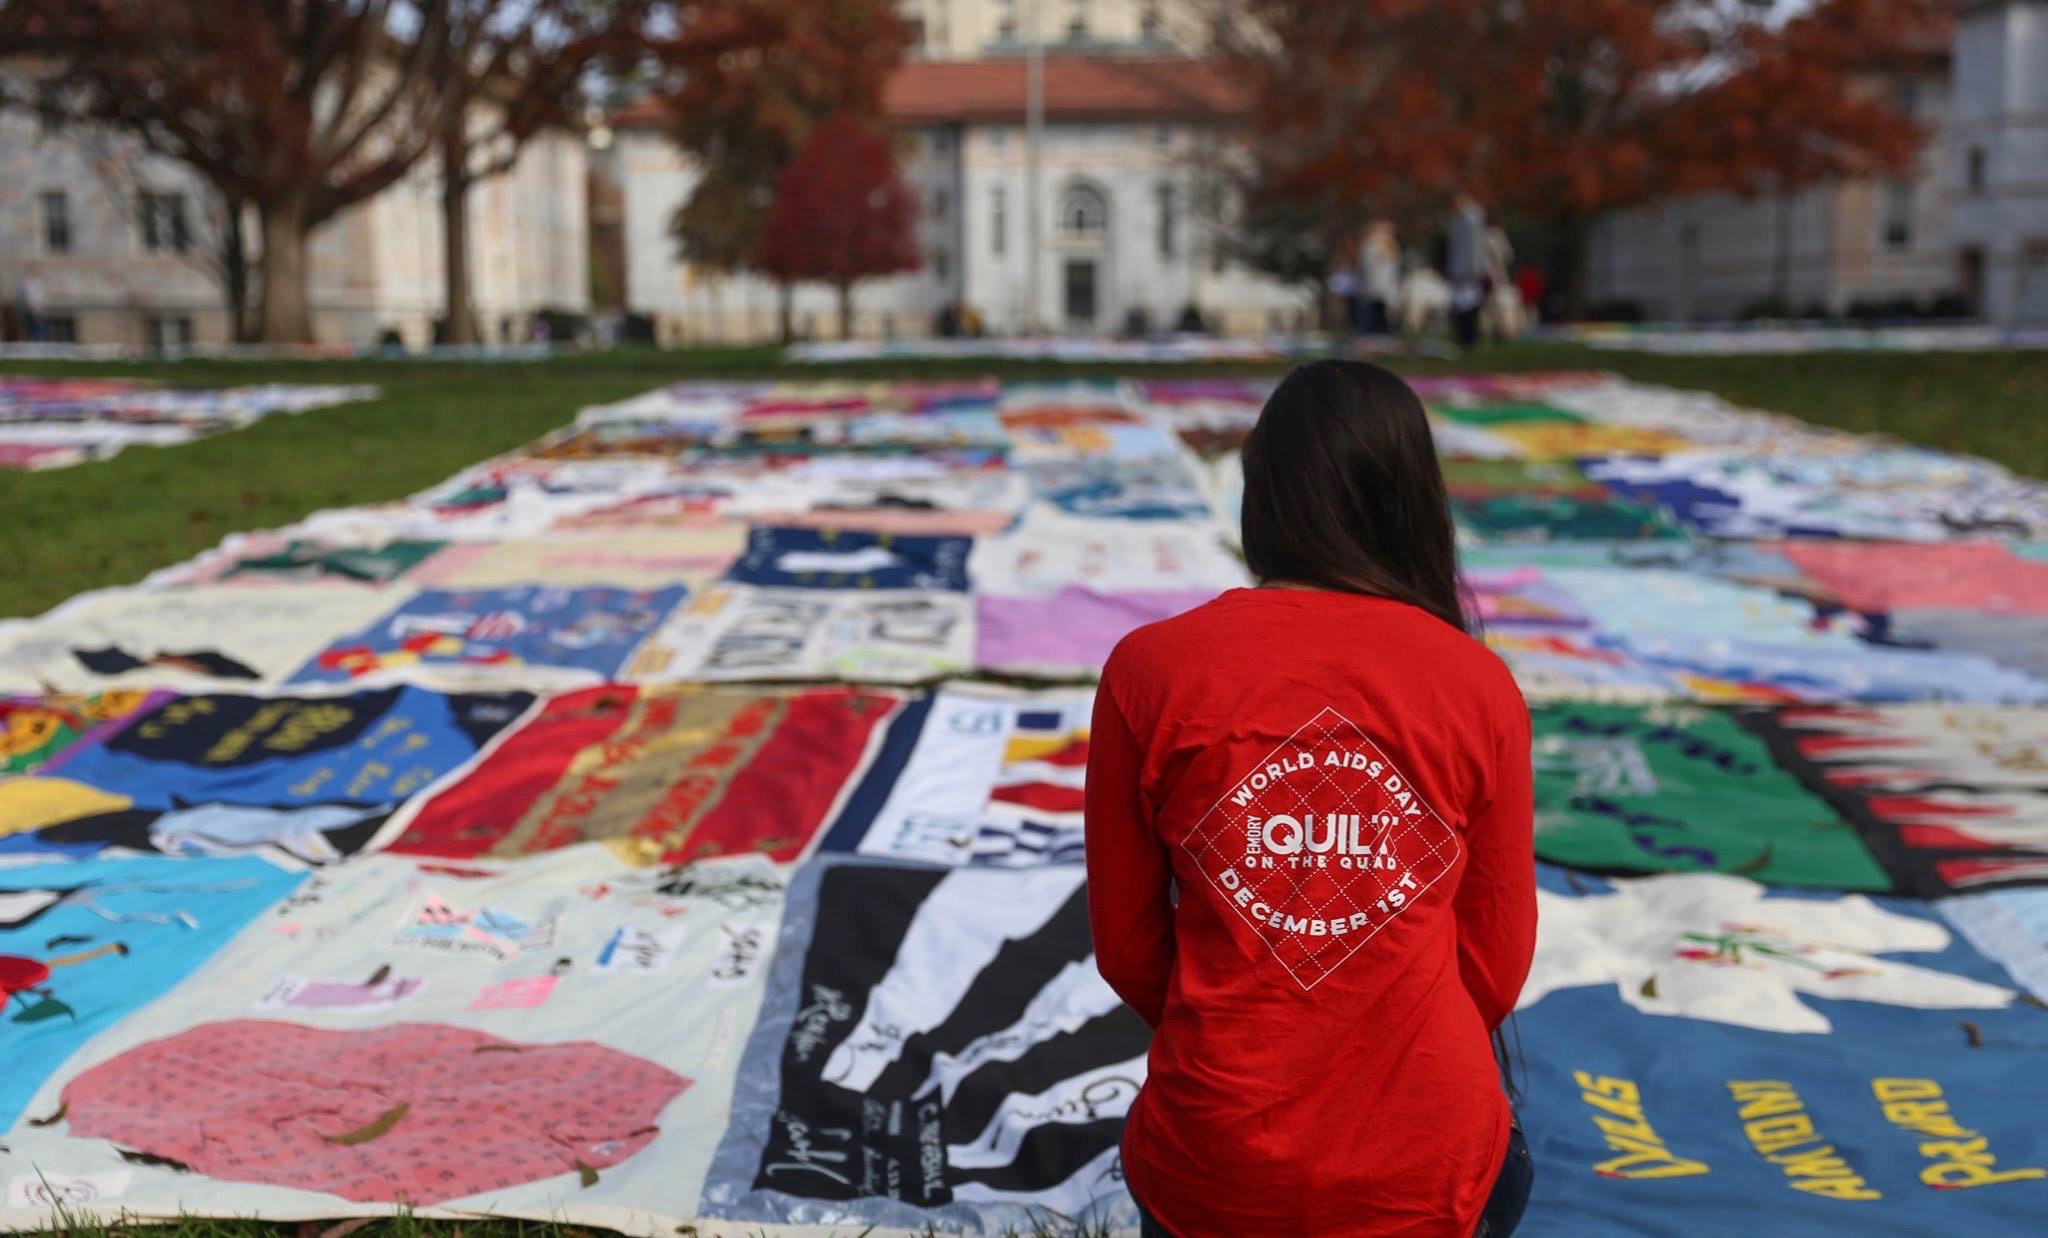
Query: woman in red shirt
(1309, 854)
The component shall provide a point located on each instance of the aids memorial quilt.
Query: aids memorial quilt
(490, 1038)
(662, 775)
(37, 730)
(973, 778)
(83, 946)
(676, 824)
(1682, 788)
(219, 774)
(500, 635)
(1949, 798)
(936, 1047)
(48, 423)
(1797, 1063)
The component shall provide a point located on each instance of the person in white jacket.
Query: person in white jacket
(1379, 276)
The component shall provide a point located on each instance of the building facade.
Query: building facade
(973, 29)
(1969, 226)
(1832, 247)
(1113, 231)
(1997, 159)
(1121, 242)
(107, 244)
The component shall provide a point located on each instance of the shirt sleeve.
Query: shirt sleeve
(1496, 902)
(1129, 874)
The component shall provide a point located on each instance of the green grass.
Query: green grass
(109, 523)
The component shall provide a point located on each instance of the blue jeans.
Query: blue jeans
(1503, 1207)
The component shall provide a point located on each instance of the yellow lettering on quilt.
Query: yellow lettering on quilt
(1775, 1121)
(1957, 1158)
(1619, 1116)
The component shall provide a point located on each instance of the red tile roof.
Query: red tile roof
(646, 112)
(929, 92)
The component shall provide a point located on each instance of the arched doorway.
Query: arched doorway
(1081, 232)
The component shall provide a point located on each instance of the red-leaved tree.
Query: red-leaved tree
(1602, 105)
(743, 110)
(841, 214)
(1559, 111)
(1359, 110)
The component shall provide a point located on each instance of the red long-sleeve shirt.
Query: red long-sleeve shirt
(1310, 870)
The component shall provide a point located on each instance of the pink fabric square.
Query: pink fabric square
(416, 1113)
(1888, 576)
(525, 993)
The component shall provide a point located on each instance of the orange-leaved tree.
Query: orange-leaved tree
(743, 108)
(841, 213)
(1608, 104)
(1559, 111)
(1358, 111)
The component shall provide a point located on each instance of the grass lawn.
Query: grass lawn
(109, 523)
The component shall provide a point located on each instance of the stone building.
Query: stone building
(1126, 235)
(1997, 159)
(1969, 225)
(114, 246)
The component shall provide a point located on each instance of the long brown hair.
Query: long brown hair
(1342, 490)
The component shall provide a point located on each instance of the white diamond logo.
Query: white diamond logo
(1322, 845)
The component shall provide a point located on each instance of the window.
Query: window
(56, 222)
(998, 222)
(60, 329)
(1898, 214)
(1906, 97)
(1169, 241)
(170, 331)
(1084, 213)
(1077, 24)
(998, 136)
(163, 223)
(1213, 205)
(1006, 22)
(942, 265)
(1149, 22)
(940, 204)
(2031, 297)
(1975, 176)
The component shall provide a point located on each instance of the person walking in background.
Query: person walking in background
(1502, 308)
(1379, 276)
(1465, 267)
(1425, 299)
(1343, 283)
(1309, 825)
(1532, 287)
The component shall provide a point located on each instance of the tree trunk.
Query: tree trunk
(846, 311)
(234, 272)
(461, 312)
(287, 308)
(786, 310)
